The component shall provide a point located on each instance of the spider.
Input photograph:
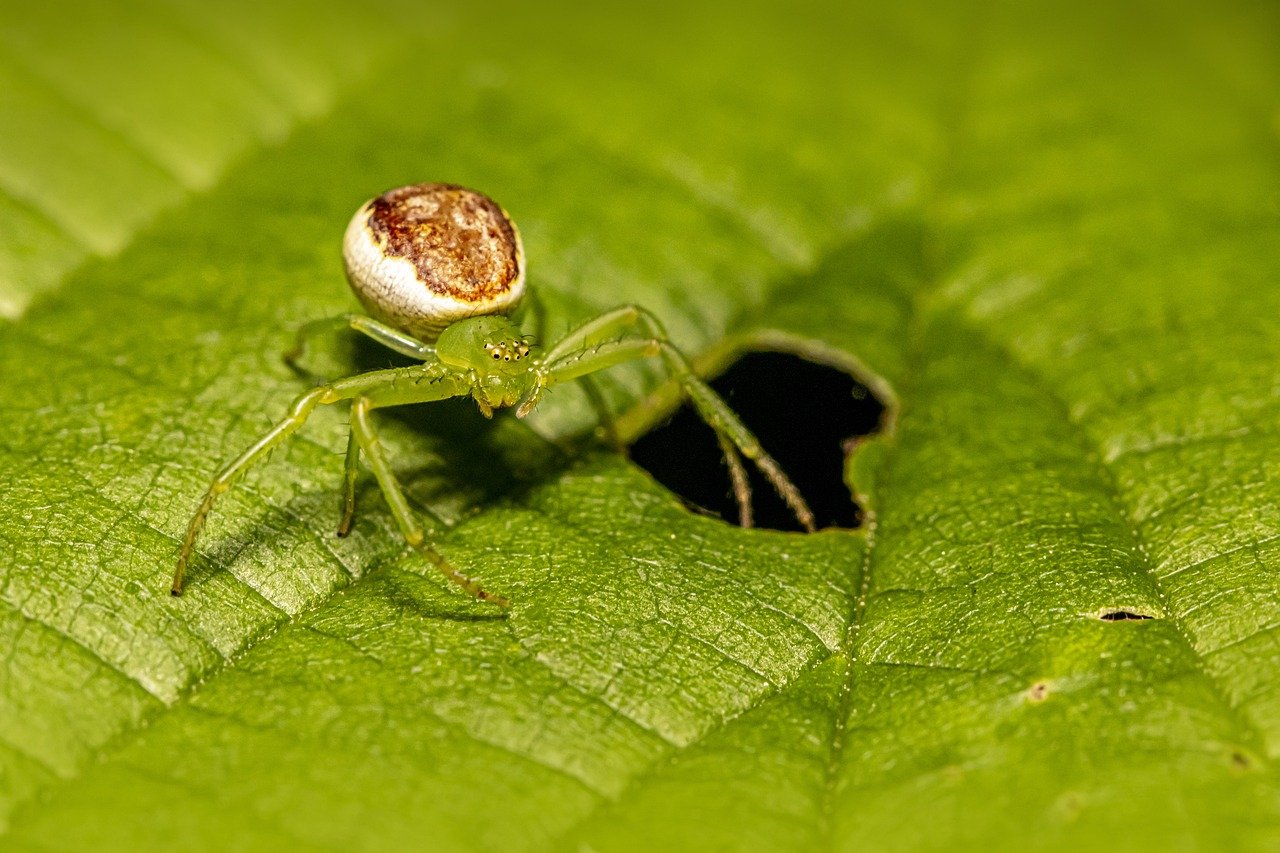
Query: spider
(438, 267)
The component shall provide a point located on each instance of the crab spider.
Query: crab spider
(437, 267)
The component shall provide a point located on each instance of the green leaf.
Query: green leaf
(1047, 236)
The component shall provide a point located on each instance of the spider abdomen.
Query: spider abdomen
(424, 256)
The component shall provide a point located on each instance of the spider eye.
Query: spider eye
(496, 356)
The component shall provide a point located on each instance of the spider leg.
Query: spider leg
(364, 433)
(388, 336)
(597, 345)
(417, 384)
(350, 471)
(609, 326)
(738, 477)
(721, 418)
(588, 335)
(298, 414)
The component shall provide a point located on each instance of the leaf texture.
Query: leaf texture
(1047, 236)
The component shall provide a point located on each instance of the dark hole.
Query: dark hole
(1123, 616)
(803, 413)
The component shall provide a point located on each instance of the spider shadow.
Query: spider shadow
(398, 590)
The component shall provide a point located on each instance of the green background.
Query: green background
(1046, 232)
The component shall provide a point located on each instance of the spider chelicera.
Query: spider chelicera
(438, 267)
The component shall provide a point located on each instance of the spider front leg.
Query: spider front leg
(738, 478)
(606, 327)
(298, 414)
(350, 472)
(597, 345)
(400, 386)
(364, 433)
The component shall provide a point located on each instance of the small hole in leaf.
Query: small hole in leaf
(804, 415)
(1123, 616)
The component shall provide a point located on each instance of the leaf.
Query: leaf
(1047, 235)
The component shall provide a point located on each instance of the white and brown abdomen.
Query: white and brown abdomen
(424, 256)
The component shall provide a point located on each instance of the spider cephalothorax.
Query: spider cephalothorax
(496, 357)
(438, 267)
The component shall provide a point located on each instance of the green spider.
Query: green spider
(438, 267)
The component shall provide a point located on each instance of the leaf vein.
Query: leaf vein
(1106, 479)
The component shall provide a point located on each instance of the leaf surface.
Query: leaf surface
(1048, 237)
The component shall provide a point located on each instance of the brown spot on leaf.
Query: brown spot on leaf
(1038, 692)
(460, 241)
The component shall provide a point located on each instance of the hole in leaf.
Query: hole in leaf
(1123, 616)
(803, 413)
